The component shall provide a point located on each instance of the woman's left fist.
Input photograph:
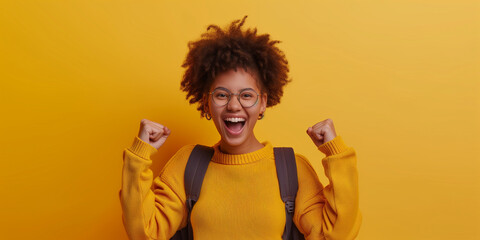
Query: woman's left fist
(322, 132)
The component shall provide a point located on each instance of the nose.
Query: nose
(234, 105)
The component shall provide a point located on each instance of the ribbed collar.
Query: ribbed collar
(244, 158)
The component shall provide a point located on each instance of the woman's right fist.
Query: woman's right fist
(153, 133)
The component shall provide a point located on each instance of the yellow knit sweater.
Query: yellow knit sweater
(240, 196)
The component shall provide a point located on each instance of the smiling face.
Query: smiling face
(234, 122)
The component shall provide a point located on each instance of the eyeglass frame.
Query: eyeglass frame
(237, 94)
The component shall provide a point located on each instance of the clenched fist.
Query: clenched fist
(322, 132)
(153, 133)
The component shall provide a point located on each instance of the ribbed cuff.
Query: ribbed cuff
(142, 148)
(333, 146)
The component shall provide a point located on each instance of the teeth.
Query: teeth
(235, 119)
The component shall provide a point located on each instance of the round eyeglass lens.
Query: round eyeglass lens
(247, 97)
(220, 97)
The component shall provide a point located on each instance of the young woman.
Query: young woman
(233, 76)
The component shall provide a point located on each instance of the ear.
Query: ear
(205, 104)
(205, 109)
(263, 106)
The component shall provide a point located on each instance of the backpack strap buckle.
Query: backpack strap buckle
(190, 203)
(290, 206)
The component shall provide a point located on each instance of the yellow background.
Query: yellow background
(400, 80)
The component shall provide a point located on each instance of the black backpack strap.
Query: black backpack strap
(194, 173)
(288, 182)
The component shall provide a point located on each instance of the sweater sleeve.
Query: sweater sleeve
(148, 214)
(330, 212)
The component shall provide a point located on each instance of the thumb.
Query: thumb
(166, 131)
(309, 131)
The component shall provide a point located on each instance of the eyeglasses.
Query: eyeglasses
(247, 97)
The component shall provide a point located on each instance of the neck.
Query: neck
(246, 147)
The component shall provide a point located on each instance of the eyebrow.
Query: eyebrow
(243, 89)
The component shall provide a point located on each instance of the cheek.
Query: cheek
(216, 115)
(214, 110)
(253, 114)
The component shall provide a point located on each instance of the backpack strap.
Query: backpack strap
(194, 173)
(288, 182)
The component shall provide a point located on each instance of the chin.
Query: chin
(234, 141)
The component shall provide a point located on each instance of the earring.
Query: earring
(261, 116)
(208, 116)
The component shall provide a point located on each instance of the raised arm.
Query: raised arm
(330, 212)
(148, 214)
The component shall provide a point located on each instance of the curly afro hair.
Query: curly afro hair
(219, 50)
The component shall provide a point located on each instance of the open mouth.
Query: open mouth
(234, 125)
